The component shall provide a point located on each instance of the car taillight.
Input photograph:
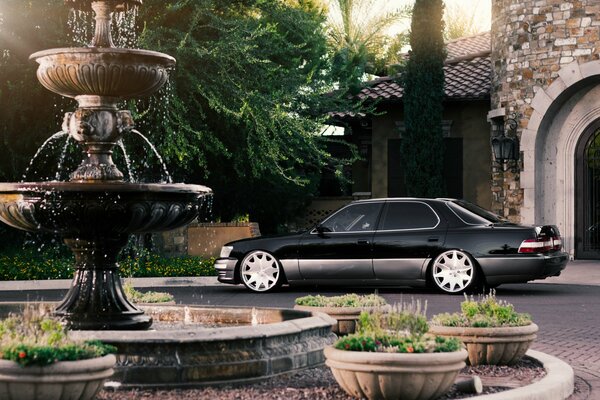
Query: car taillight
(541, 244)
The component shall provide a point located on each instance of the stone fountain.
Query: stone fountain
(96, 210)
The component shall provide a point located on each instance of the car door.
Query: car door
(342, 246)
(409, 232)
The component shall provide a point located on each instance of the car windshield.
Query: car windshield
(472, 214)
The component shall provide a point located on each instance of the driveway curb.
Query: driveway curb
(558, 384)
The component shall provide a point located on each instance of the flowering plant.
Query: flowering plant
(36, 338)
(485, 312)
(403, 330)
(347, 300)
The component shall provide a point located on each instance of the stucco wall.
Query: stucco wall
(468, 121)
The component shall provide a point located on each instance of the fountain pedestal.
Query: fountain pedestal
(96, 299)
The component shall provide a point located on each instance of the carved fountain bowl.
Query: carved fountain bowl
(103, 72)
(82, 210)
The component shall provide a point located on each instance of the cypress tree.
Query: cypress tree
(422, 143)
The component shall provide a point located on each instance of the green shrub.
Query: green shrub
(488, 311)
(347, 300)
(154, 265)
(35, 338)
(402, 330)
(28, 264)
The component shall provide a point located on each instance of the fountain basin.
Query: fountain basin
(279, 341)
(95, 220)
(83, 210)
(92, 74)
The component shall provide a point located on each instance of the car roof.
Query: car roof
(383, 199)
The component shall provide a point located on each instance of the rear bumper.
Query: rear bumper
(522, 268)
(226, 270)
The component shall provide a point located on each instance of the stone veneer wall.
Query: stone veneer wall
(531, 41)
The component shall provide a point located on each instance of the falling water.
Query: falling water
(61, 160)
(124, 32)
(127, 161)
(39, 151)
(162, 163)
(81, 26)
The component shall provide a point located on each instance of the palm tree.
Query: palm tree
(461, 20)
(359, 33)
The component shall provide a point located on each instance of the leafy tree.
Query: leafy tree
(242, 113)
(246, 104)
(358, 35)
(28, 115)
(422, 144)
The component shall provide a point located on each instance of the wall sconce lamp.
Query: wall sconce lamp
(505, 148)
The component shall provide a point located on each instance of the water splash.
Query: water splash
(160, 159)
(254, 321)
(57, 135)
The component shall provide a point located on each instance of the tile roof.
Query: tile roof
(468, 46)
(467, 71)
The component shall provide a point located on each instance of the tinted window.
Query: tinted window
(472, 214)
(354, 218)
(408, 215)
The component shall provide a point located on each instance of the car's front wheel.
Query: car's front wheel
(454, 271)
(260, 271)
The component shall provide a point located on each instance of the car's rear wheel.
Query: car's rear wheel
(261, 272)
(454, 271)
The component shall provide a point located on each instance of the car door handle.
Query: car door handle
(363, 242)
(433, 239)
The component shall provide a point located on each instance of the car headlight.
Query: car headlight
(225, 251)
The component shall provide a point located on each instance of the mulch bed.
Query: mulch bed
(318, 383)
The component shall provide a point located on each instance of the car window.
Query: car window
(354, 218)
(472, 214)
(409, 215)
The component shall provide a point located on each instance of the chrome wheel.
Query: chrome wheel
(453, 271)
(260, 271)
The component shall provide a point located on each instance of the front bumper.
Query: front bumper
(226, 270)
(522, 268)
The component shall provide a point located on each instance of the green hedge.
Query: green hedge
(30, 264)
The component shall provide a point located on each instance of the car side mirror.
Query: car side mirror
(321, 229)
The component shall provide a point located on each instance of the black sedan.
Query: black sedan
(451, 244)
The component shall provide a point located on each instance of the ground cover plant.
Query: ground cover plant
(347, 300)
(36, 338)
(146, 297)
(487, 311)
(402, 330)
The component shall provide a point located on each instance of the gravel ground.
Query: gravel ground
(317, 384)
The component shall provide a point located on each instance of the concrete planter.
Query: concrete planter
(394, 376)
(80, 380)
(346, 317)
(493, 346)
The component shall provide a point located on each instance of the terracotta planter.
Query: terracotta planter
(346, 317)
(493, 346)
(394, 376)
(80, 380)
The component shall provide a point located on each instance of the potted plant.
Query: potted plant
(344, 309)
(492, 330)
(38, 360)
(391, 356)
